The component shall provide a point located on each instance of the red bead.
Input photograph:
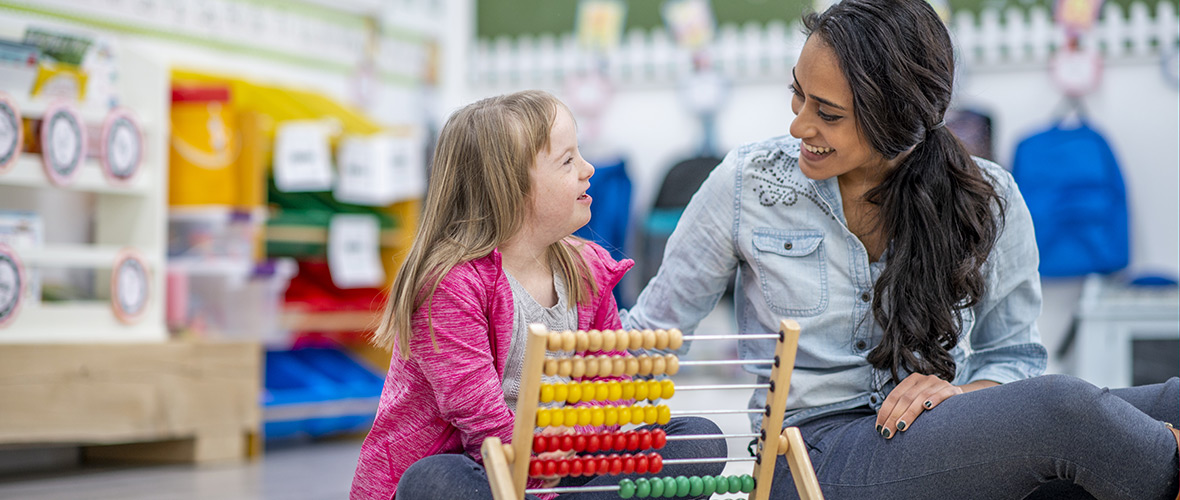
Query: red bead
(658, 438)
(641, 464)
(644, 439)
(632, 440)
(536, 467)
(603, 464)
(628, 464)
(539, 443)
(616, 465)
(589, 465)
(567, 443)
(563, 468)
(655, 463)
(580, 443)
(576, 467)
(550, 468)
(593, 443)
(620, 441)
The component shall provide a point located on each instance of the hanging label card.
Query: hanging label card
(354, 252)
(303, 160)
(1076, 72)
(406, 161)
(130, 287)
(11, 132)
(122, 147)
(12, 281)
(63, 143)
(364, 179)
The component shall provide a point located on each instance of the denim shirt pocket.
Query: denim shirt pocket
(792, 270)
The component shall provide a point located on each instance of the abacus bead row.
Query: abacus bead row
(681, 486)
(616, 390)
(615, 340)
(602, 441)
(617, 365)
(613, 464)
(603, 415)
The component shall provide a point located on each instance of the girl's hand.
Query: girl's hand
(915, 394)
(552, 481)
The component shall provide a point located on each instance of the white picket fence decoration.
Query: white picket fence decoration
(754, 52)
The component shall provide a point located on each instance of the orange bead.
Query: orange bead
(619, 365)
(554, 341)
(565, 367)
(582, 341)
(672, 364)
(675, 339)
(551, 367)
(608, 340)
(595, 340)
(578, 367)
(661, 339)
(658, 365)
(645, 365)
(649, 339)
(632, 366)
(568, 341)
(635, 339)
(592, 366)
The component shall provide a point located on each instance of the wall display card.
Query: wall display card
(1077, 17)
(122, 146)
(354, 252)
(600, 23)
(130, 287)
(407, 164)
(690, 21)
(380, 169)
(1076, 72)
(303, 159)
(63, 143)
(11, 132)
(12, 280)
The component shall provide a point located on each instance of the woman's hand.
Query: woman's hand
(915, 394)
(552, 481)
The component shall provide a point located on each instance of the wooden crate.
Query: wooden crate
(173, 401)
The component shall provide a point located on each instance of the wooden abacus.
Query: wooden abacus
(510, 465)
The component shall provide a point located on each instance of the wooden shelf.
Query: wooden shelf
(74, 256)
(79, 321)
(28, 171)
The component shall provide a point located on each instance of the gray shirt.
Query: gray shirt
(526, 310)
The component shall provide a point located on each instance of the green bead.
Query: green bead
(710, 483)
(722, 484)
(682, 486)
(695, 486)
(626, 488)
(747, 483)
(642, 488)
(735, 484)
(669, 487)
(657, 487)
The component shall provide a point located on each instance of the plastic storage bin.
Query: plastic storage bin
(317, 392)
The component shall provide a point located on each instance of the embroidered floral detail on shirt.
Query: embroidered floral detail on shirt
(772, 170)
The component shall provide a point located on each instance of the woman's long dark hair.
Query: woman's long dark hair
(935, 208)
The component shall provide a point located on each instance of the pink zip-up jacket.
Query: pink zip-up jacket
(449, 400)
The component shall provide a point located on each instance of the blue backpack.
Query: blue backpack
(1075, 193)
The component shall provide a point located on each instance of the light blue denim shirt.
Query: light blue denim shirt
(786, 238)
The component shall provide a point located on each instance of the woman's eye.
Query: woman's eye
(828, 118)
(795, 90)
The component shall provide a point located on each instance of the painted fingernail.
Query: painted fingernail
(928, 405)
(901, 425)
(878, 429)
(885, 433)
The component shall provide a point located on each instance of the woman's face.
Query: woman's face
(825, 119)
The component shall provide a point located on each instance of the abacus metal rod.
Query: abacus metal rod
(686, 413)
(681, 461)
(572, 489)
(721, 387)
(689, 437)
(759, 336)
(715, 362)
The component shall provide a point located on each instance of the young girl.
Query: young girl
(493, 254)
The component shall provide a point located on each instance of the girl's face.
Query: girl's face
(825, 119)
(560, 178)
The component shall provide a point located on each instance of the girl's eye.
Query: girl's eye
(568, 161)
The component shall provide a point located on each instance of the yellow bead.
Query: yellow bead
(632, 366)
(597, 416)
(592, 366)
(650, 415)
(641, 389)
(661, 339)
(543, 417)
(560, 392)
(624, 415)
(565, 367)
(546, 393)
(601, 391)
(554, 341)
(556, 417)
(608, 340)
(568, 341)
(610, 415)
(582, 341)
(619, 366)
(635, 340)
(578, 369)
(675, 339)
(665, 415)
(668, 388)
(551, 367)
(575, 393)
(628, 390)
(584, 416)
(614, 390)
(638, 414)
(645, 365)
(672, 364)
(658, 365)
(654, 390)
(595, 340)
(649, 339)
(571, 415)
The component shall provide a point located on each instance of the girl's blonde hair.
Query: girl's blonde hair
(478, 198)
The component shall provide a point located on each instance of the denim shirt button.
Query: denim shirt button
(788, 246)
(865, 297)
(861, 345)
(873, 399)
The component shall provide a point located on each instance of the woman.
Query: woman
(912, 269)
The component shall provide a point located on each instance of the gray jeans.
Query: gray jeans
(1006, 442)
